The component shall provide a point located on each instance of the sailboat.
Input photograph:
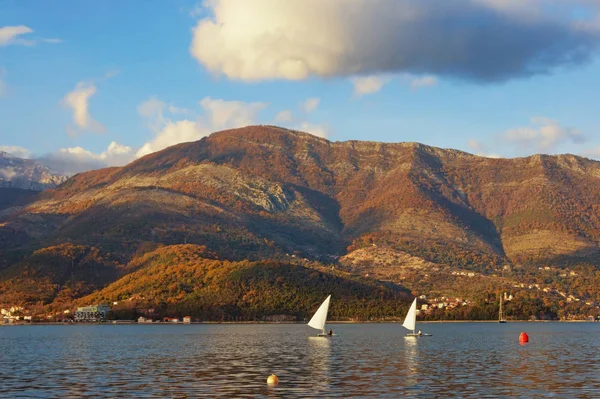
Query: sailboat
(320, 318)
(410, 321)
(500, 318)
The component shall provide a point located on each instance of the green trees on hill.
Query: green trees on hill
(178, 280)
(57, 274)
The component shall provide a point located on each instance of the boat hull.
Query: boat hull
(418, 335)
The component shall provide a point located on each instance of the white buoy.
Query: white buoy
(272, 380)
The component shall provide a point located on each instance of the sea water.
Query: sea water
(466, 360)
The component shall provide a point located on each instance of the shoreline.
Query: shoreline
(133, 322)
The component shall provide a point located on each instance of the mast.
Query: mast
(500, 315)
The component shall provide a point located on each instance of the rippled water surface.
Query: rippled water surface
(468, 360)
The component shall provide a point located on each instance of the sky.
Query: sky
(85, 85)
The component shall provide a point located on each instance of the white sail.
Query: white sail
(410, 321)
(320, 316)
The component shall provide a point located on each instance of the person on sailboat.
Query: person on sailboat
(419, 333)
(330, 332)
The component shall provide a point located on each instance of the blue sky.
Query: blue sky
(89, 84)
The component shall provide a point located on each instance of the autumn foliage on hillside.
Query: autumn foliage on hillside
(57, 274)
(179, 280)
(262, 198)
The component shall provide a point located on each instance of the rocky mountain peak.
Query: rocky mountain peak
(27, 174)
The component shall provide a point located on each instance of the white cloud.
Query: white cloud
(480, 40)
(315, 129)
(153, 111)
(543, 135)
(218, 114)
(222, 114)
(152, 108)
(15, 151)
(423, 81)
(480, 149)
(286, 119)
(476, 145)
(78, 101)
(77, 159)
(174, 133)
(311, 104)
(11, 35)
(368, 84)
(284, 116)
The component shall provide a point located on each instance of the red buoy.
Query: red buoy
(523, 338)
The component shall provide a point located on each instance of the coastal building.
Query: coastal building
(11, 315)
(187, 319)
(92, 313)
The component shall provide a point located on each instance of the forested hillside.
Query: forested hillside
(263, 198)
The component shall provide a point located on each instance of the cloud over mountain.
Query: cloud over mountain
(218, 114)
(15, 151)
(543, 135)
(475, 40)
(77, 159)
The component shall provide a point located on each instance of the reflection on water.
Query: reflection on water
(319, 358)
(411, 360)
(467, 360)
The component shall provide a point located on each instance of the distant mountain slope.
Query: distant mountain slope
(264, 192)
(26, 174)
(12, 197)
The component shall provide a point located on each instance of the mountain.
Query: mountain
(406, 213)
(26, 174)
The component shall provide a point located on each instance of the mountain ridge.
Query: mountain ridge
(268, 193)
